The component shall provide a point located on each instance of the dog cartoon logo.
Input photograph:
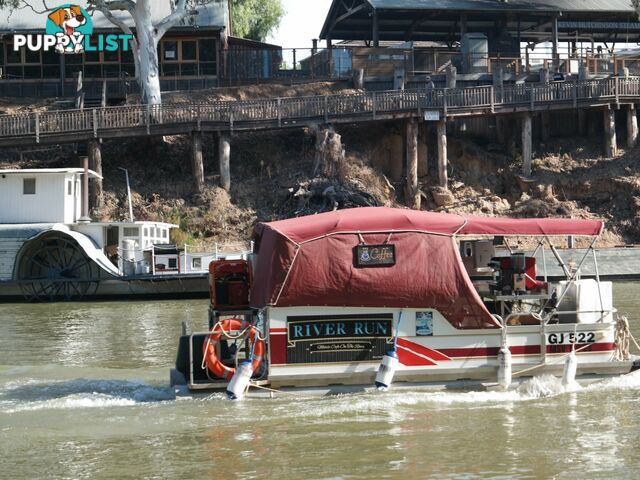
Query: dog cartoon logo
(72, 22)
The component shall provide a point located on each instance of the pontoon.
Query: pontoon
(392, 298)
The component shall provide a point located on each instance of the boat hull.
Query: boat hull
(317, 349)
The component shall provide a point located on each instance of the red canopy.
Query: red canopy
(382, 219)
(310, 261)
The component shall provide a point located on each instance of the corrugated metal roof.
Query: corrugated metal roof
(520, 5)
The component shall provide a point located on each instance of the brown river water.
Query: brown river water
(84, 393)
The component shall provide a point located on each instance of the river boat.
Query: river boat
(51, 250)
(391, 298)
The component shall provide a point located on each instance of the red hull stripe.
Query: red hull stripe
(427, 352)
(523, 350)
(410, 358)
(277, 330)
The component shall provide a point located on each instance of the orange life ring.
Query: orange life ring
(209, 347)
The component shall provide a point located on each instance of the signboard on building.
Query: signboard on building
(432, 115)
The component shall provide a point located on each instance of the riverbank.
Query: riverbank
(273, 176)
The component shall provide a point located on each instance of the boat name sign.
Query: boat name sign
(334, 329)
(375, 255)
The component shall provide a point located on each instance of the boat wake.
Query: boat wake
(80, 393)
(372, 402)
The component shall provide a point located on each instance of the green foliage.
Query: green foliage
(255, 19)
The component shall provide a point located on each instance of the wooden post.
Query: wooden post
(197, 161)
(79, 91)
(95, 163)
(555, 41)
(544, 76)
(358, 78)
(413, 192)
(498, 82)
(632, 126)
(329, 58)
(375, 29)
(451, 76)
(442, 153)
(611, 145)
(224, 158)
(527, 152)
(84, 205)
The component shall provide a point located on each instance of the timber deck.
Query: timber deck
(71, 126)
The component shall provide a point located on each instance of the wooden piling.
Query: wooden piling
(632, 126)
(224, 158)
(197, 162)
(443, 176)
(610, 141)
(527, 152)
(413, 192)
(96, 191)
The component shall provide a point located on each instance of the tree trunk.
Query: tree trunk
(329, 154)
(149, 78)
(413, 191)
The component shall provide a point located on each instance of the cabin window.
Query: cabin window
(188, 57)
(152, 232)
(173, 263)
(50, 64)
(29, 186)
(207, 47)
(189, 50)
(170, 50)
(69, 187)
(12, 55)
(146, 232)
(23, 63)
(131, 231)
(196, 263)
(165, 233)
(207, 56)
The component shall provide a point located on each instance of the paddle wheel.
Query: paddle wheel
(53, 266)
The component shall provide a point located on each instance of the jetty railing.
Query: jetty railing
(276, 112)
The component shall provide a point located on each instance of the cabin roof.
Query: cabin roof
(441, 20)
(519, 5)
(24, 18)
(47, 171)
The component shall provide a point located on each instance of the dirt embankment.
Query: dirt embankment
(252, 92)
(273, 176)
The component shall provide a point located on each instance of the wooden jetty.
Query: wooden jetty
(226, 117)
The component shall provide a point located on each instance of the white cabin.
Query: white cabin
(51, 195)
